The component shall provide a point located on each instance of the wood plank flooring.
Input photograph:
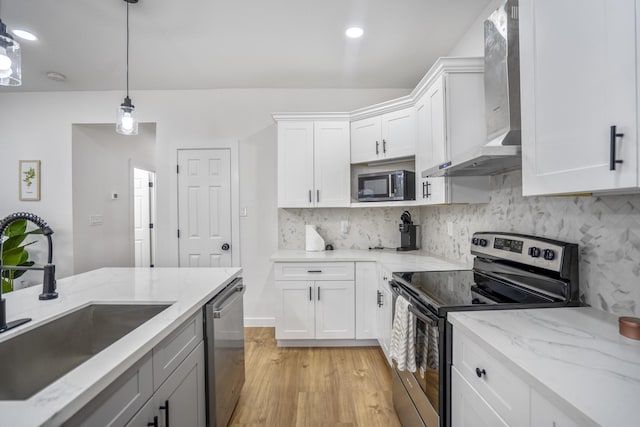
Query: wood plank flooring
(344, 386)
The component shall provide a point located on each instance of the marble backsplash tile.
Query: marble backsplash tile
(607, 228)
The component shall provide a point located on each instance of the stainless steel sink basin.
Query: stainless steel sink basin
(31, 361)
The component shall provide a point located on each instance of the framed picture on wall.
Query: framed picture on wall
(29, 179)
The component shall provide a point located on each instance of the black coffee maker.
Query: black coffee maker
(408, 233)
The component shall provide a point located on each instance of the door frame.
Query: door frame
(135, 164)
(235, 202)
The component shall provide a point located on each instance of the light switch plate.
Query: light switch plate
(450, 228)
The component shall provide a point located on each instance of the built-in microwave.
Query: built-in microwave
(382, 186)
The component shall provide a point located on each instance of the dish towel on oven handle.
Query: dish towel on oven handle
(403, 349)
(430, 357)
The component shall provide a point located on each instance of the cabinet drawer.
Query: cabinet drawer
(120, 401)
(314, 271)
(174, 349)
(507, 394)
(468, 408)
(546, 414)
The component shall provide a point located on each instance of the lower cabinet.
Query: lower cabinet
(366, 300)
(384, 313)
(180, 400)
(166, 388)
(315, 310)
(484, 392)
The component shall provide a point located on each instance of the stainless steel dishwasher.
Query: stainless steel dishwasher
(224, 318)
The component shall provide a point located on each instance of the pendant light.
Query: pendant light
(127, 123)
(10, 61)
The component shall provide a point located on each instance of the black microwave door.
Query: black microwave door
(372, 188)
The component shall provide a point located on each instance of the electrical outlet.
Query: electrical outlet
(450, 228)
(96, 219)
(344, 227)
(243, 212)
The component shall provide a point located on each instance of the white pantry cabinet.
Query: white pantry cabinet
(579, 77)
(318, 304)
(384, 137)
(313, 164)
(450, 119)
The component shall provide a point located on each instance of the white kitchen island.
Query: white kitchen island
(187, 290)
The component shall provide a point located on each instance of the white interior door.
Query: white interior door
(204, 208)
(141, 218)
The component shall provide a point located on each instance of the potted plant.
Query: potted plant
(14, 252)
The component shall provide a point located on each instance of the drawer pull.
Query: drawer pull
(314, 271)
(165, 408)
(481, 372)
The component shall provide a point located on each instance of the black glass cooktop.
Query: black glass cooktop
(440, 288)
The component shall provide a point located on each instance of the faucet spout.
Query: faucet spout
(49, 281)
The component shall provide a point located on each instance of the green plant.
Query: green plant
(14, 252)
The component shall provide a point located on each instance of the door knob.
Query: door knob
(226, 247)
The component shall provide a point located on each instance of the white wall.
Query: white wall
(472, 42)
(39, 126)
(101, 165)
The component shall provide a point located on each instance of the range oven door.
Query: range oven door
(425, 385)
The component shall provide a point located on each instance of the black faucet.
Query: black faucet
(49, 282)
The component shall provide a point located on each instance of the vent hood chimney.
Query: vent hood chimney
(502, 150)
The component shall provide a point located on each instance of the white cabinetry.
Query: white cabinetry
(578, 79)
(315, 301)
(450, 120)
(366, 300)
(385, 137)
(486, 393)
(384, 313)
(313, 164)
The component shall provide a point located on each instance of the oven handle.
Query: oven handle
(426, 318)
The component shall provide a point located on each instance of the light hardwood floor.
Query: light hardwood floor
(341, 386)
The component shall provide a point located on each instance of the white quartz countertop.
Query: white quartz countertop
(187, 289)
(574, 357)
(392, 260)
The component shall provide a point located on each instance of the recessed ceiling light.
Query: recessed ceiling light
(25, 35)
(354, 32)
(56, 77)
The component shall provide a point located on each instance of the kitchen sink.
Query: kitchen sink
(31, 361)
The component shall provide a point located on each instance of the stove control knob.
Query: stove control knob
(474, 241)
(482, 242)
(534, 252)
(548, 254)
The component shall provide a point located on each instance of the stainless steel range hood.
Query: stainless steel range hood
(502, 151)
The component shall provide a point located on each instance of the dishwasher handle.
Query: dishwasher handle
(222, 303)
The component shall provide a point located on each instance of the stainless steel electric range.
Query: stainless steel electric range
(509, 271)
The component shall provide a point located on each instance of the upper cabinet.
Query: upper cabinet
(384, 137)
(579, 89)
(450, 119)
(313, 164)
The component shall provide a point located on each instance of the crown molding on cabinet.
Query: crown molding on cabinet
(450, 64)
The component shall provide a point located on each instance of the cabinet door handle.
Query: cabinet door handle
(384, 146)
(318, 293)
(428, 192)
(612, 150)
(318, 196)
(424, 190)
(310, 196)
(377, 147)
(379, 298)
(314, 271)
(481, 372)
(154, 423)
(165, 408)
(310, 294)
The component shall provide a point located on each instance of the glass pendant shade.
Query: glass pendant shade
(10, 59)
(127, 122)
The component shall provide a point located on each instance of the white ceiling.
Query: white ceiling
(202, 44)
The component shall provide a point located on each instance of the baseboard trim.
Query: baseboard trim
(328, 343)
(257, 322)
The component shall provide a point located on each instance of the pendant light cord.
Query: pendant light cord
(127, 48)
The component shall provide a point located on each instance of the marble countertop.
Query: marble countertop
(185, 288)
(392, 260)
(575, 357)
